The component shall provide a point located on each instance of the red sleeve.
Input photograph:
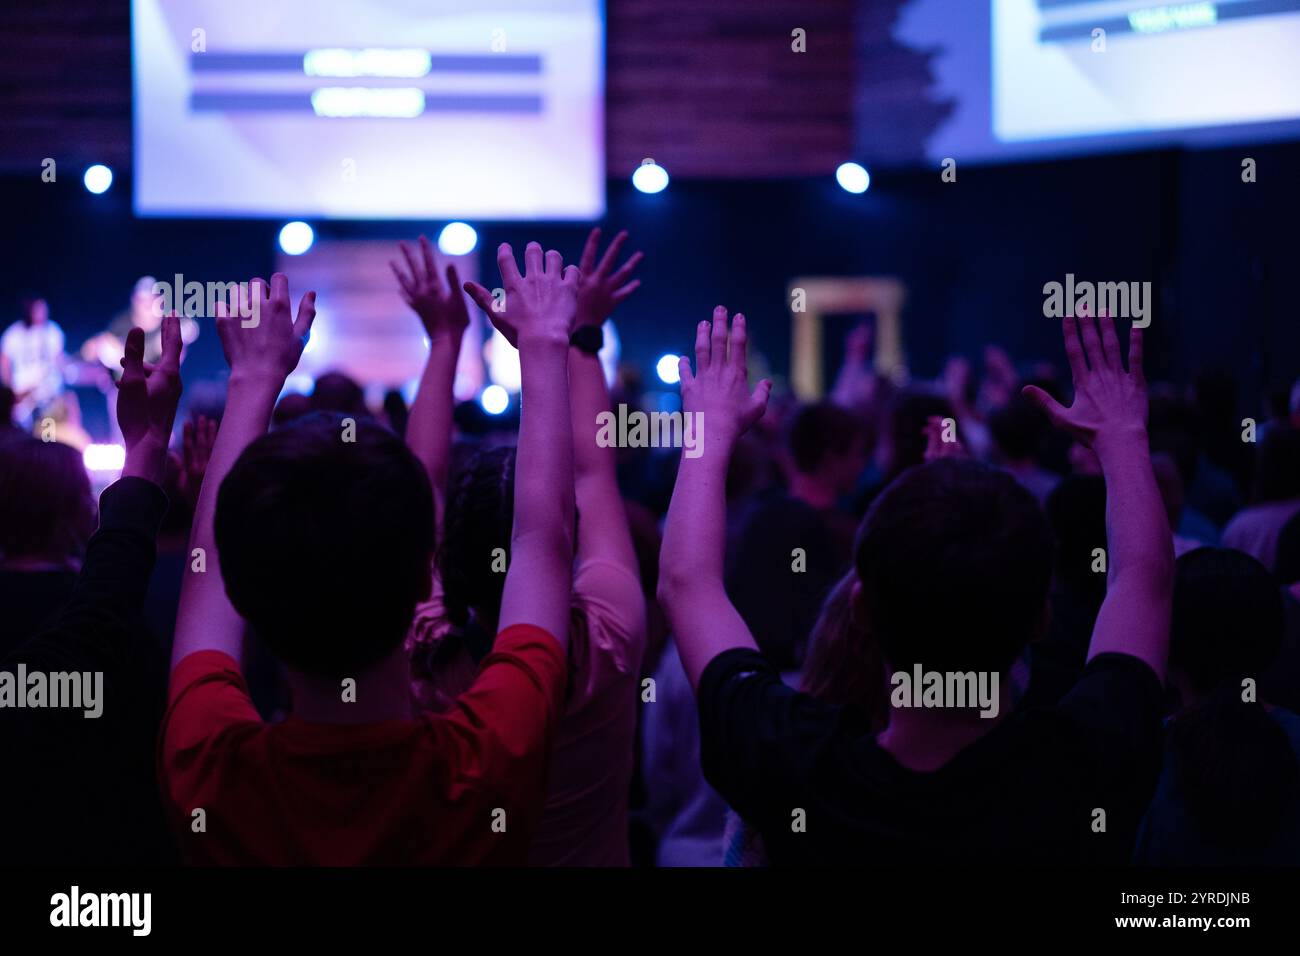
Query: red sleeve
(506, 721)
(207, 697)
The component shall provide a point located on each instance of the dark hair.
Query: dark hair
(478, 519)
(1231, 761)
(1018, 428)
(337, 392)
(28, 306)
(954, 558)
(909, 411)
(1278, 477)
(1076, 511)
(47, 509)
(326, 543)
(289, 408)
(778, 607)
(819, 430)
(396, 410)
(844, 665)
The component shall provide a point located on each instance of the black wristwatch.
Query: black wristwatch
(588, 338)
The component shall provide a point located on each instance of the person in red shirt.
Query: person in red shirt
(320, 537)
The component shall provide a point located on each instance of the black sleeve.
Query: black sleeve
(1116, 710)
(759, 738)
(106, 603)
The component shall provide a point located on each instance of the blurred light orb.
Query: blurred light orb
(667, 369)
(457, 239)
(98, 178)
(853, 177)
(650, 177)
(296, 238)
(494, 399)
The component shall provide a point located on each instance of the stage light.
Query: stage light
(853, 178)
(315, 335)
(667, 369)
(650, 177)
(296, 238)
(457, 239)
(98, 178)
(502, 360)
(494, 399)
(102, 458)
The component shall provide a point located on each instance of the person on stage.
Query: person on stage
(32, 361)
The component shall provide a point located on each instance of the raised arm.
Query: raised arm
(441, 308)
(603, 532)
(704, 621)
(262, 350)
(539, 310)
(855, 382)
(1109, 414)
(111, 586)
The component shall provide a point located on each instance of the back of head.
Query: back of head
(821, 431)
(1227, 619)
(47, 510)
(478, 520)
(1174, 429)
(326, 545)
(1232, 763)
(290, 408)
(336, 392)
(954, 559)
(905, 430)
(1278, 477)
(1076, 511)
(1019, 428)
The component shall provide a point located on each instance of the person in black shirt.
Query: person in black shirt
(81, 789)
(952, 568)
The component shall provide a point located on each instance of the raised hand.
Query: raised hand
(197, 438)
(266, 348)
(719, 388)
(1000, 377)
(439, 304)
(957, 378)
(1109, 402)
(147, 396)
(540, 304)
(603, 288)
